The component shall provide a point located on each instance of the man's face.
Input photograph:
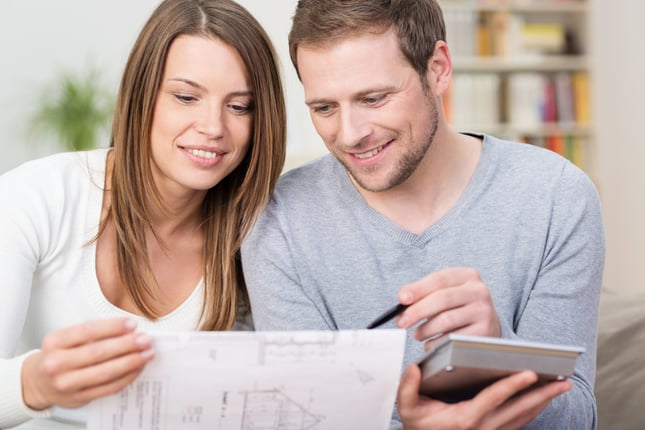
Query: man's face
(370, 108)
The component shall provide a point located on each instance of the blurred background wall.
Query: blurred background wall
(40, 38)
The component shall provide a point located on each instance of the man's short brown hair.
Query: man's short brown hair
(418, 24)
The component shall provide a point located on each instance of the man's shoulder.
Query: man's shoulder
(516, 151)
(317, 187)
(315, 176)
(529, 160)
(521, 169)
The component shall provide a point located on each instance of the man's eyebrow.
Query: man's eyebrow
(317, 102)
(376, 90)
(358, 95)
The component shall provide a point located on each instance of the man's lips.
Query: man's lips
(372, 152)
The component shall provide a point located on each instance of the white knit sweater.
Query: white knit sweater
(50, 210)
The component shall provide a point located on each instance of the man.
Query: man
(479, 236)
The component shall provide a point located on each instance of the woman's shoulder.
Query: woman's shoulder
(52, 174)
(63, 161)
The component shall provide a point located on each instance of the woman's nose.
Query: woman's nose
(210, 122)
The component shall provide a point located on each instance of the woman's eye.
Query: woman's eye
(240, 108)
(185, 98)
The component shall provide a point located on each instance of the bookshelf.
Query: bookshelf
(521, 71)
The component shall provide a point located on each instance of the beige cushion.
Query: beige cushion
(620, 371)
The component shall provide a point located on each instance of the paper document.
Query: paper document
(300, 380)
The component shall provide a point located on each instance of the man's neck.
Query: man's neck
(434, 187)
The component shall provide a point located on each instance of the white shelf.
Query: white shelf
(534, 66)
(545, 63)
(518, 6)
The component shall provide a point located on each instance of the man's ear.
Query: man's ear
(439, 69)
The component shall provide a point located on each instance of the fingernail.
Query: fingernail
(142, 340)
(406, 298)
(130, 324)
(148, 354)
(403, 321)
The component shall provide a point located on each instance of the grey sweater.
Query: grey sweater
(529, 222)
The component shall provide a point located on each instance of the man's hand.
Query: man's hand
(81, 363)
(450, 300)
(493, 408)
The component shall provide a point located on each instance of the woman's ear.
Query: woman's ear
(439, 69)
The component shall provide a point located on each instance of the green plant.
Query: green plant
(76, 107)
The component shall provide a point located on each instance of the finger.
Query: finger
(474, 319)
(521, 420)
(103, 373)
(449, 321)
(491, 397)
(526, 407)
(436, 281)
(408, 392)
(454, 293)
(434, 341)
(85, 396)
(87, 332)
(431, 305)
(94, 353)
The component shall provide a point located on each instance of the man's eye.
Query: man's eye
(322, 109)
(372, 100)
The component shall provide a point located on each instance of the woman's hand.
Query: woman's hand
(84, 362)
(498, 406)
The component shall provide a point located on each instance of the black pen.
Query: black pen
(388, 315)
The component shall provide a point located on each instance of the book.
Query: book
(564, 98)
(504, 28)
(484, 36)
(556, 143)
(575, 150)
(460, 366)
(543, 38)
(525, 99)
(549, 102)
(474, 100)
(582, 109)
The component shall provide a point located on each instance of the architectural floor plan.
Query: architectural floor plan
(301, 380)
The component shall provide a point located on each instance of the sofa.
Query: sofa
(620, 370)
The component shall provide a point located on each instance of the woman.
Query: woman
(99, 247)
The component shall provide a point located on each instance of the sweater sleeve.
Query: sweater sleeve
(23, 233)
(13, 410)
(568, 286)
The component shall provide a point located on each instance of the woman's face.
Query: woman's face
(203, 116)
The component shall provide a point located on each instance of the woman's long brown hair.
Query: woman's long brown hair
(231, 207)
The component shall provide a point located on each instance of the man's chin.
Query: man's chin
(370, 181)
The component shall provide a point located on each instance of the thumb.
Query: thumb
(408, 393)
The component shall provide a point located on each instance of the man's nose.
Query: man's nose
(353, 127)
